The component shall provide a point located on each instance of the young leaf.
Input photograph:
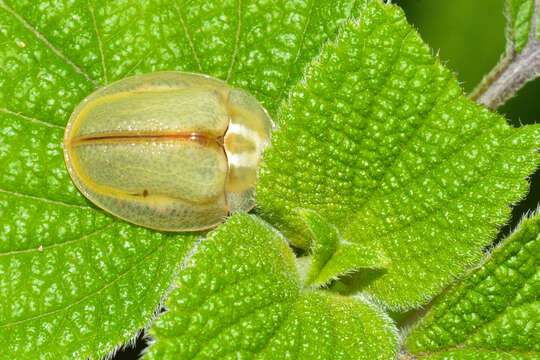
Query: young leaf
(493, 312)
(332, 255)
(379, 140)
(241, 297)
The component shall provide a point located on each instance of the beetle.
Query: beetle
(171, 151)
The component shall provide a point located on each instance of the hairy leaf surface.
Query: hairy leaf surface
(75, 282)
(251, 304)
(493, 312)
(379, 139)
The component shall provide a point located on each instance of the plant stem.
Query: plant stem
(512, 72)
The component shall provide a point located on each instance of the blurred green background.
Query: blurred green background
(469, 37)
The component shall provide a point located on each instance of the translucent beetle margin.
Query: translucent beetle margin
(171, 151)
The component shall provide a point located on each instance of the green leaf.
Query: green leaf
(250, 303)
(75, 282)
(493, 312)
(332, 256)
(519, 14)
(379, 140)
(59, 54)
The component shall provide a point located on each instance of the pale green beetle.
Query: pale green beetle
(172, 151)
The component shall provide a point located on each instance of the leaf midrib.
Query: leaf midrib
(44, 40)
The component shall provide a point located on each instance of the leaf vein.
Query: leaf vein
(38, 198)
(43, 39)
(300, 46)
(453, 198)
(43, 248)
(100, 44)
(509, 307)
(31, 119)
(188, 37)
(236, 40)
(86, 297)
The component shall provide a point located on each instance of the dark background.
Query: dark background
(469, 37)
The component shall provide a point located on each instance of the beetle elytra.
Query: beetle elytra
(171, 151)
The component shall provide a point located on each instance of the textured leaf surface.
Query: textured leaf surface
(520, 19)
(73, 281)
(380, 141)
(97, 280)
(332, 256)
(58, 52)
(251, 304)
(494, 312)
